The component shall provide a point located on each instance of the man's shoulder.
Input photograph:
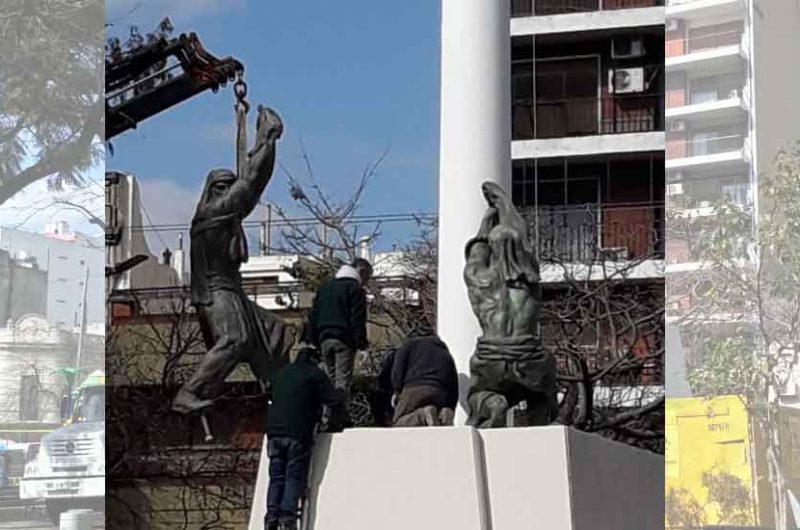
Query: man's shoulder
(339, 284)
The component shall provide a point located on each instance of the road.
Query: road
(19, 518)
(32, 519)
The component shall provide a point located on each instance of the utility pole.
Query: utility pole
(266, 233)
(269, 228)
(83, 321)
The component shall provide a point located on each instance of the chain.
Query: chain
(242, 107)
(240, 91)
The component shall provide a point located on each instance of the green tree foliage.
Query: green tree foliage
(744, 315)
(51, 112)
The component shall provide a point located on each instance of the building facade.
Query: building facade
(727, 111)
(31, 352)
(587, 149)
(69, 258)
(588, 127)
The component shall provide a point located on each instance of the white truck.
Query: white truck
(69, 470)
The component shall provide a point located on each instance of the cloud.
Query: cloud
(166, 202)
(36, 205)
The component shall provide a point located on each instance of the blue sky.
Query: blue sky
(350, 79)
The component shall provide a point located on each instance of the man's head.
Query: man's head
(364, 269)
(308, 353)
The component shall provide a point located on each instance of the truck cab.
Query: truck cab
(69, 470)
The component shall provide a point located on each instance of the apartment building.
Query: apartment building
(730, 87)
(588, 150)
(588, 127)
(729, 93)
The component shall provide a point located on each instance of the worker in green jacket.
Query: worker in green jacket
(338, 321)
(297, 393)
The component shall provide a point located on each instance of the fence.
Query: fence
(681, 46)
(619, 114)
(705, 146)
(594, 233)
(524, 8)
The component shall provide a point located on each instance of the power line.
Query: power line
(297, 222)
(151, 224)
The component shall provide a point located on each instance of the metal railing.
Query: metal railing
(618, 114)
(682, 46)
(526, 8)
(706, 146)
(592, 233)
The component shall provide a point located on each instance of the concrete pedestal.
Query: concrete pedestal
(550, 478)
(560, 478)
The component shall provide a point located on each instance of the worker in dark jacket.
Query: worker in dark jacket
(424, 377)
(338, 321)
(298, 392)
(382, 398)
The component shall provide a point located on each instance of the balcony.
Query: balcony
(594, 233)
(707, 54)
(720, 151)
(621, 114)
(715, 105)
(701, 10)
(527, 8)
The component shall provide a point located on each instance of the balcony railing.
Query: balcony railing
(592, 233)
(683, 46)
(677, 98)
(705, 146)
(618, 114)
(526, 8)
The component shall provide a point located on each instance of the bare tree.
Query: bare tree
(85, 200)
(327, 230)
(160, 470)
(606, 329)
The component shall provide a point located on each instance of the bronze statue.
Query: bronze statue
(509, 365)
(234, 328)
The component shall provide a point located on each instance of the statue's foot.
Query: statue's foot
(487, 410)
(447, 417)
(430, 416)
(187, 402)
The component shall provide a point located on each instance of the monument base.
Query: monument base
(552, 478)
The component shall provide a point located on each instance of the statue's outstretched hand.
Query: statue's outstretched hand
(269, 127)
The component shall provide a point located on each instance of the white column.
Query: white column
(475, 146)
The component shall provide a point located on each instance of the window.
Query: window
(521, 8)
(739, 193)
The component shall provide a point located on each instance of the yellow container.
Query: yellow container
(709, 454)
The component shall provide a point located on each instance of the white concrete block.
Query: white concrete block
(391, 479)
(559, 478)
(551, 478)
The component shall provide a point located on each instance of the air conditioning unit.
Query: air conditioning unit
(675, 189)
(677, 126)
(627, 48)
(626, 80)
